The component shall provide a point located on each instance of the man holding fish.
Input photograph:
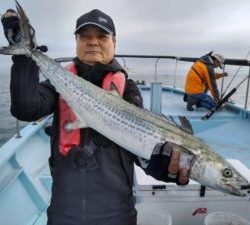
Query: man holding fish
(92, 175)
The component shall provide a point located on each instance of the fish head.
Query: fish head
(215, 172)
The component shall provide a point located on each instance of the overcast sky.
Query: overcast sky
(164, 27)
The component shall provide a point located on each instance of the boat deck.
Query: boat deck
(25, 180)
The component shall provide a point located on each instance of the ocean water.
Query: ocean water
(8, 122)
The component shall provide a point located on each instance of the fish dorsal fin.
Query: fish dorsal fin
(172, 121)
(157, 114)
(168, 118)
(186, 125)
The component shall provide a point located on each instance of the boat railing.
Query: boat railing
(239, 63)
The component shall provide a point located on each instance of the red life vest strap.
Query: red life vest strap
(118, 79)
(69, 139)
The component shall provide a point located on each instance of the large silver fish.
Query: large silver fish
(133, 128)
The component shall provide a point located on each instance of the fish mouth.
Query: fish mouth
(239, 189)
(246, 189)
(236, 191)
(236, 186)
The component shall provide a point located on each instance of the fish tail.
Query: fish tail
(27, 31)
(28, 43)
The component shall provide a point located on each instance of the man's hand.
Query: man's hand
(169, 163)
(11, 26)
(179, 165)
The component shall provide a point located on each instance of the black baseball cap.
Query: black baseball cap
(98, 18)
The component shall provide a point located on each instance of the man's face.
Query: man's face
(216, 63)
(94, 44)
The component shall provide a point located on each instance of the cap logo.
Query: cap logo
(102, 20)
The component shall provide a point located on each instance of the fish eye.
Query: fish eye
(227, 173)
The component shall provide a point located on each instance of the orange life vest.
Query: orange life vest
(69, 139)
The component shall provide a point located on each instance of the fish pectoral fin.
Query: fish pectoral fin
(75, 125)
(114, 93)
(113, 90)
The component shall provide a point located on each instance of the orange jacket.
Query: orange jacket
(201, 76)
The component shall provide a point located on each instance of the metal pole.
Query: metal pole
(17, 129)
(124, 63)
(222, 83)
(247, 90)
(175, 72)
(156, 97)
(156, 62)
(222, 95)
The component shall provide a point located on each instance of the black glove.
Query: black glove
(159, 161)
(11, 26)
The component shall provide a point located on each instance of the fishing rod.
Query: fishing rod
(224, 99)
(237, 71)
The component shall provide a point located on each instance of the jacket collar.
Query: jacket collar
(96, 73)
